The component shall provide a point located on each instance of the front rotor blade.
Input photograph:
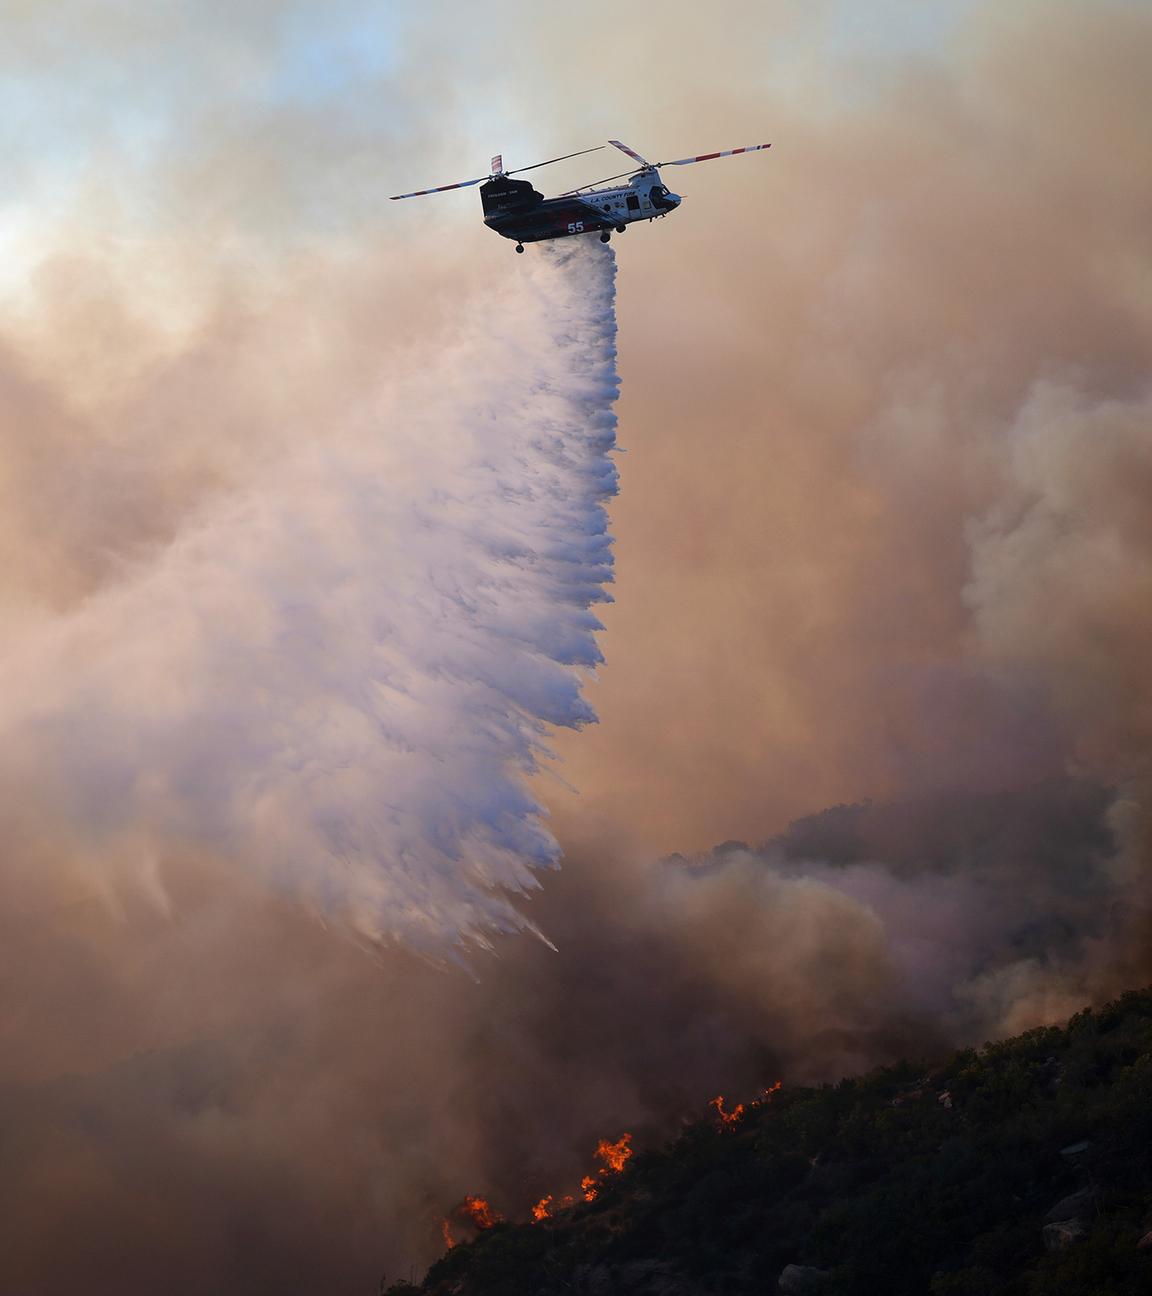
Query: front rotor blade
(631, 152)
(551, 160)
(707, 157)
(599, 182)
(462, 184)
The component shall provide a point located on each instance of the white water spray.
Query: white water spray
(343, 677)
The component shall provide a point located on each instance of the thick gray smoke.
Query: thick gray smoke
(279, 1109)
(339, 678)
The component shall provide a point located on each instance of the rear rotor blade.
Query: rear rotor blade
(631, 152)
(534, 165)
(462, 184)
(707, 157)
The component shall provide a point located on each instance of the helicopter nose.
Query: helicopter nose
(675, 199)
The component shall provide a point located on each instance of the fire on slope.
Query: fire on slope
(474, 1211)
(730, 1118)
(727, 1118)
(612, 1155)
(547, 1206)
(477, 1211)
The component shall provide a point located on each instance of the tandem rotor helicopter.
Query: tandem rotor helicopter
(517, 211)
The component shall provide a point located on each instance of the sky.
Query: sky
(197, 153)
(114, 89)
(881, 573)
(193, 150)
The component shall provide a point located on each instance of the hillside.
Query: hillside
(1023, 1168)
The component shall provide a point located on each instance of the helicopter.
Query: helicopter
(517, 211)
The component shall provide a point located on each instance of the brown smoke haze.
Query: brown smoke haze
(884, 534)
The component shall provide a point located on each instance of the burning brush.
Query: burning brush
(473, 1212)
(612, 1156)
(728, 1119)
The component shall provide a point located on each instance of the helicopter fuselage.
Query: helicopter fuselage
(515, 210)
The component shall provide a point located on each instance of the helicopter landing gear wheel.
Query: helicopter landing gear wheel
(604, 236)
(621, 228)
(519, 247)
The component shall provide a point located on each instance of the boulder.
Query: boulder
(640, 1278)
(1077, 1205)
(803, 1280)
(1064, 1234)
(593, 1280)
(1074, 1150)
(832, 1177)
(650, 1278)
(909, 1095)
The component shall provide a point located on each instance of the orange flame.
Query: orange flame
(446, 1230)
(613, 1157)
(775, 1089)
(727, 1118)
(547, 1207)
(478, 1212)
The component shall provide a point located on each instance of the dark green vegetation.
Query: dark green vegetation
(905, 1182)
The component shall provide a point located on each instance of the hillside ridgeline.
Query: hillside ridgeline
(1022, 1169)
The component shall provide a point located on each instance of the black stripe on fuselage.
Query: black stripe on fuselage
(553, 218)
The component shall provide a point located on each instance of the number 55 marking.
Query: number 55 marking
(576, 227)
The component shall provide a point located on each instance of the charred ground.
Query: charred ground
(1021, 1168)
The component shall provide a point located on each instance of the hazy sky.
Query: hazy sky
(104, 91)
